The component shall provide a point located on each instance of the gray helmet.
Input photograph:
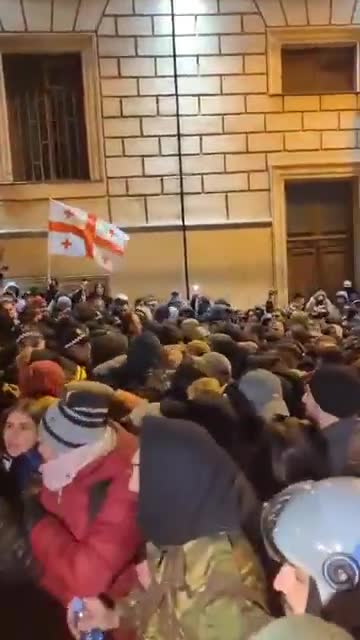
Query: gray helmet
(316, 526)
(301, 627)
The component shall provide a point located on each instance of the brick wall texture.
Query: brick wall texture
(230, 126)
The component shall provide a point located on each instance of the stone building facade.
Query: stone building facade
(240, 137)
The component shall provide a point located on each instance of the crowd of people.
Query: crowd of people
(190, 470)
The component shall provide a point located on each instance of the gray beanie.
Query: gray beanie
(78, 419)
(63, 303)
(263, 389)
(214, 365)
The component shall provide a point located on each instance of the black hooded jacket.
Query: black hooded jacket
(144, 355)
(189, 486)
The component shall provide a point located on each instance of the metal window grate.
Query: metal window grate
(45, 100)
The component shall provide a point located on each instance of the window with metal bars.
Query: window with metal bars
(45, 100)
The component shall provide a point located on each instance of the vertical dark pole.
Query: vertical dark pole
(181, 173)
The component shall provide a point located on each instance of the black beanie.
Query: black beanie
(336, 389)
(107, 346)
(70, 333)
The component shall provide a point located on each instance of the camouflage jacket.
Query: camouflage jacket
(209, 589)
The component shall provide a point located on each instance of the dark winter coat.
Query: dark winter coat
(144, 356)
(343, 439)
(23, 469)
(26, 610)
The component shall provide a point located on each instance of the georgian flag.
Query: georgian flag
(76, 233)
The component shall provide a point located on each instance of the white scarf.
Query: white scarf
(61, 471)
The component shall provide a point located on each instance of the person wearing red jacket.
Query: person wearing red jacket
(83, 532)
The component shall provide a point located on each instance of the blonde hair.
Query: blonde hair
(173, 354)
(197, 348)
(203, 386)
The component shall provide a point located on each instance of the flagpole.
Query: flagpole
(181, 172)
(48, 251)
(48, 262)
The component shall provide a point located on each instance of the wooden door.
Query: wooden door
(320, 235)
(302, 265)
(335, 263)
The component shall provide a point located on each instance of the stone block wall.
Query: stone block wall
(230, 125)
(220, 61)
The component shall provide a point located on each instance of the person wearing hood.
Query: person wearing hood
(108, 354)
(312, 530)
(143, 358)
(319, 306)
(60, 306)
(203, 579)
(332, 401)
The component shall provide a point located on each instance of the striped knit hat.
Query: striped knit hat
(78, 419)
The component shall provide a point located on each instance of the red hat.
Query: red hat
(42, 378)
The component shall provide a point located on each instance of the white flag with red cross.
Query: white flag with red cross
(76, 233)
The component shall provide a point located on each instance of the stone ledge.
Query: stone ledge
(149, 228)
(45, 190)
